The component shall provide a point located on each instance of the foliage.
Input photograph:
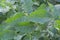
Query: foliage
(29, 20)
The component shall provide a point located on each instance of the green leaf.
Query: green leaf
(57, 24)
(27, 5)
(57, 11)
(15, 17)
(40, 15)
(27, 37)
(7, 35)
(36, 35)
(25, 27)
